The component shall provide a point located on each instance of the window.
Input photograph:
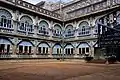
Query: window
(5, 23)
(43, 50)
(57, 31)
(43, 28)
(26, 24)
(84, 29)
(69, 51)
(83, 50)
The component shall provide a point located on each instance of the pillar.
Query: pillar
(11, 47)
(5, 49)
(92, 51)
(51, 51)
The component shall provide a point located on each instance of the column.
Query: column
(5, 49)
(45, 50)
(92, 51)
(23, 49)
(41, 50)
(51, 51)
(33, 49)
(76, 51)
(11, 49)
(70, 51)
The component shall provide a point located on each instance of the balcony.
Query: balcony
(43, 33)
(6, 27)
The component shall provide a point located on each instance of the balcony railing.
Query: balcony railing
(43, 33)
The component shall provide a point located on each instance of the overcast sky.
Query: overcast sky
(36, 1)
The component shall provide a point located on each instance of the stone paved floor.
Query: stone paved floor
(45, 70)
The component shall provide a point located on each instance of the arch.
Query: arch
(84, 29)
(26, 24)
(83, 45)
(25, 43)
(68, 27)
(71, 25)
(43, 27)
(57, 45)
(26, 18)
(69, 31)
(44, 21)
(5, 13)
(83, 23)
(57, 49)
(57, 31)
(43, 44)
(69, 45)
(56, 26)
(5, 41)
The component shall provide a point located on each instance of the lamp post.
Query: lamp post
(63, 31)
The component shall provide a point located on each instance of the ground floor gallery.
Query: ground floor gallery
(14, 48)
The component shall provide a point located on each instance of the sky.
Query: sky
(36, 1)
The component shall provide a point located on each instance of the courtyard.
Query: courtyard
(55, 70)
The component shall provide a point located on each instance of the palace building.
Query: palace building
(50, 30)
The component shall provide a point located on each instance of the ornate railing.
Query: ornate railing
(90, 9)
(34, 8)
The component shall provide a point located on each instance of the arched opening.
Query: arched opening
(5, 19)
(43, 49)
(26, 24)
(84, 29)
(57, 32)
(69, 32)
(5, 46)
(57, 49)
(25, 48)
(69, 49)
(43, 28)
(84, 49)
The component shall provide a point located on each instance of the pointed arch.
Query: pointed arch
(43, 44)
(5, 13)
(84, 29)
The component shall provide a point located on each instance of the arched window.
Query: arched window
(57, 49)
(57, 30)
(5, 19)
(43, 28)
(84, 29)
(83, 49)
(25, 48)
(69, 49)
(43, 49)
(26, 24)
(5, 46)
(69, 32)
